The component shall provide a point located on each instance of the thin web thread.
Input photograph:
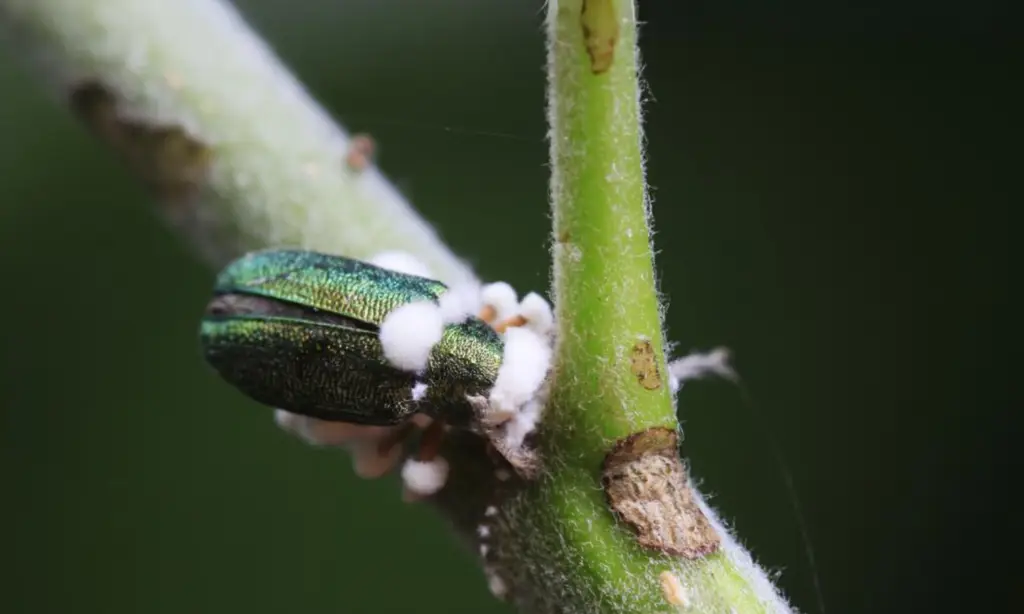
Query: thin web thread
(787, 478)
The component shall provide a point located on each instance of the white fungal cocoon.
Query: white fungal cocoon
(698, 365)
(419, 390)
(523, 368)
(501, 297)
(425, 478)
(538, 314)
(401, 262)
(408, 334)
(460, 302)
(523, 423)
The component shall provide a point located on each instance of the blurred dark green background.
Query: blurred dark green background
(832, 186)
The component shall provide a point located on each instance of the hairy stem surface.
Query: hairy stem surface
(240, 157)
(238, 154)
(609, 435)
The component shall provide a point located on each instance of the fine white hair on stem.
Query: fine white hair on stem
(275, 173)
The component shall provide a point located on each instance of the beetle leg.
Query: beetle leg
(514, 321)
(395, 438)
(430, 441)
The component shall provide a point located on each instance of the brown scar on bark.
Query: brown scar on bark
(600, 33)
(644, 364)
(171, 163)
(647, 489)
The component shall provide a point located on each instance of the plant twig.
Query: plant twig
(614, 525)
(240, 157)
(237, 152)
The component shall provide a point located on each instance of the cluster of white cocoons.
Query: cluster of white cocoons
(539, 317)
(409, 333)
(523, 368)
(501, 297)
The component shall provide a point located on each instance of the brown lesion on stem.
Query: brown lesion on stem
(600, 33)
(173, 164)
(644, 364)
(647, 489)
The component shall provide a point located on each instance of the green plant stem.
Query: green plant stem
(236, 151)
(606, 386)
(240, 157)
(604, 284)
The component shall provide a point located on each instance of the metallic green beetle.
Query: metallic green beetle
(298, 330)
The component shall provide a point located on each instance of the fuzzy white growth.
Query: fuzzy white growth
(401, 262)
(425, 478)
(419, 390)
(483, 531)
(490, 511)
(460, 302)
(501, 297)
(523, 423)
(698, 365)
(408, 334)
(524, 365)
(771, 600)
(537, 311)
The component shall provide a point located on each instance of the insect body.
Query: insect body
(299, 330)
